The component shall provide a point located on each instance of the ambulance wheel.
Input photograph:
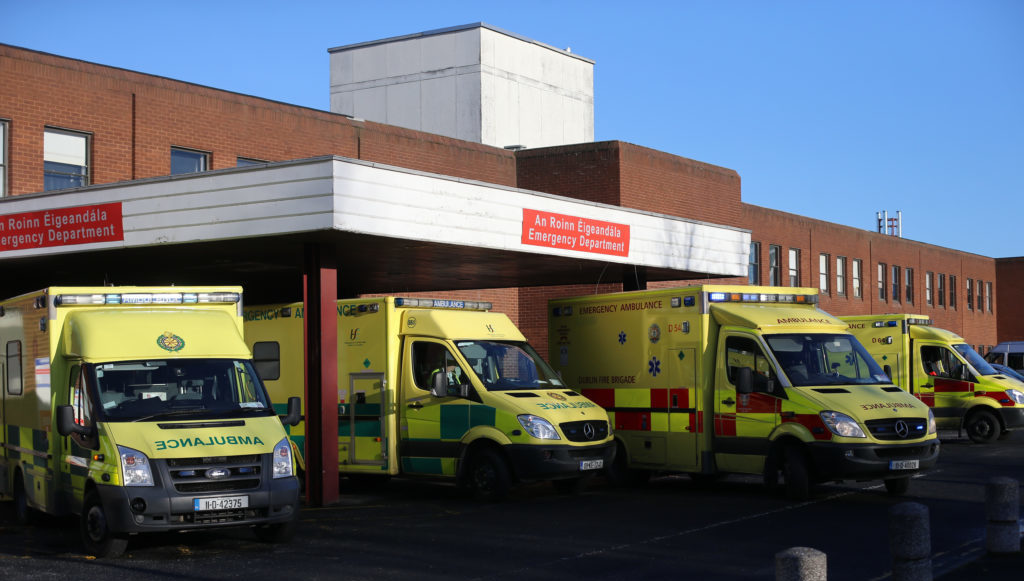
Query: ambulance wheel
(796, 474)
(572, 485)
(620, 474)
(897, 486)
(488, 476)
(97, 537)
(276, 533)
(983, 427)
(23, 513)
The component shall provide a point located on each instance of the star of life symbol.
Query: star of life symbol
(622, 337)
(654, 366)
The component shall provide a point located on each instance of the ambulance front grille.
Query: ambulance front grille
(898, 428)
(215, 473)
(585, 431)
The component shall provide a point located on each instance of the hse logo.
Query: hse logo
(353, 334)
(198, 442)
(170, 342)
(490, 328)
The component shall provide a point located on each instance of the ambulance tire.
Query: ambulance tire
(97, 537)
(489, 477)
(276, 533)
(620, 474)
(572, 486)
(897, 486)
(23, 513)
(796, 474)
(983, 427)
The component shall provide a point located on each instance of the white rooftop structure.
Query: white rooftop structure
(474, 82)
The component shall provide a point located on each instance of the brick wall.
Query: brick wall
(134, 119)
(1009, 304)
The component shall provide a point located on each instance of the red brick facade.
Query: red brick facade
(133, 120)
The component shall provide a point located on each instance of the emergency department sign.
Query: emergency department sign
(574, 233)
(61, 227)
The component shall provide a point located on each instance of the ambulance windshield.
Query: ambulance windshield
(507, 366)
(825, 359)
(134, 390)
(976, 361)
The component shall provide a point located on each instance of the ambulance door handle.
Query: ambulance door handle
(728, 401)
(415, 405)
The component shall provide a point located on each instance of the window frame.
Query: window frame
(988, 296)
(883, 269)
(84, 178)
(754, 264)
(908, 285)
(774, 265)
(824, 262)
(794, 267)
(969, 291)
(952, 291)
(841, 276)
(204, 155)
(857, 277)
(894, 273)
(5, 131)
(929, 288)
(940, 289)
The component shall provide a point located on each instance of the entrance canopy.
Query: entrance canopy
(391, 229)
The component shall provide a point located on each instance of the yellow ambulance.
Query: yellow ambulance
(710, 380)
(438, 387)
(138, 408)
(939, 368)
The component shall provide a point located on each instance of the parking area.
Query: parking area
(673, 527)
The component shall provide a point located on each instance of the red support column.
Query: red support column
(320, 298)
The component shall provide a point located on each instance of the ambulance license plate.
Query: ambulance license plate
(221, 503)
(903, 464)
(592, 464)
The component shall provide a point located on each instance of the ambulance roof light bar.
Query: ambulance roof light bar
(147, 299)
(443, 304)
(737, 297)
(894, 323)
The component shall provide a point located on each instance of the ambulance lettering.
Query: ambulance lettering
(209, 441)
(566, 405)
(885, 405)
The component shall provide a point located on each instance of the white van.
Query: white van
(1008, 353)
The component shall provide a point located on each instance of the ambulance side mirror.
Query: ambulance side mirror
(66, 424)
(294, 415)
(439, 386)
(744, 380)
(888, 372)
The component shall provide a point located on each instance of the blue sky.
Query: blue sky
(833, 110)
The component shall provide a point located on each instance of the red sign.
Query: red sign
(574, 233)
(61, 227)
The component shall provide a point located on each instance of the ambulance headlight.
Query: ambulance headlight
(282, 459)
(842, 425)
(135, 467)
(538, 427)
(1016, 396)
(931, 422)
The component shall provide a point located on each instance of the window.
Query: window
(981, 304)
(929, 298)
(908, 285)
(881, 281)
(952, 291)
(429, 359)
(857, 278)
(823, 260)
(3, 158)
(246, 162)
(841, 276)
(188, 161)
(940, 289)
(774, 265)
(14, 367)
(895, 284)
(970, 295)
(745, 352)
(754, 267)
(65, 163)
(988, 297)
(82, 405)
(794, 267)
(266, 358)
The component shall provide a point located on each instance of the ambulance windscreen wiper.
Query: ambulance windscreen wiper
(173, 414)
